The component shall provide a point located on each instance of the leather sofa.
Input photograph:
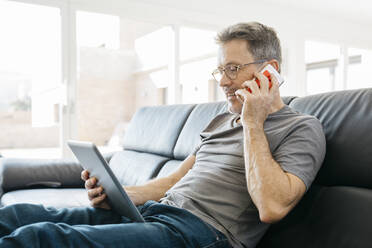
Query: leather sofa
(335, 212)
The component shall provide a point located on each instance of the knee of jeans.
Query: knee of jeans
(25, 207)
(41, 230)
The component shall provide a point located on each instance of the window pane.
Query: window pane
(320, 51)
(322, 65)
(196, 42)
(103, 90)
(30, 76)
(194, 78)
(318, 81)
(154, 49)
(97, 30)
(359, 67)
(160, 78)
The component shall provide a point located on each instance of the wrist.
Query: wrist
(248, 126)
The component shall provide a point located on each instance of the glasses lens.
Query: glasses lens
(231, 71)
(217, 74)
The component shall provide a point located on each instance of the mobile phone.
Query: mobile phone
(266, 71)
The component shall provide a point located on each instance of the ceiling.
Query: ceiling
(353, 10)
(358, 10)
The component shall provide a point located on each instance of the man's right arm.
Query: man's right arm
(152, 190)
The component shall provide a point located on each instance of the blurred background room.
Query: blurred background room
(79, 69)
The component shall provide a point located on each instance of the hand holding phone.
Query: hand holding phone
(267, 71)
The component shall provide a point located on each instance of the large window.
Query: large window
(327, 69)
(198, 58)
(196, 42)
(359, 66)
(30, 79)
(178, 55)
(154, 48)
(196, 79)
(322, 65)
(102, 75)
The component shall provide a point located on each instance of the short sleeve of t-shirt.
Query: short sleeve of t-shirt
(196, 149)
(302, 152)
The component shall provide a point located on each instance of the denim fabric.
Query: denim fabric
(27, 225)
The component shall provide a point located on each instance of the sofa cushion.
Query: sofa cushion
(133, 168)
(199, 118)
(58, 198)
(288, 99)
(346, 117)
(156, 129)
(168, 168)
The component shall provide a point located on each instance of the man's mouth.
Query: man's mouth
(230, 94)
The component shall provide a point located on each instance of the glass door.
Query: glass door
(30, 80)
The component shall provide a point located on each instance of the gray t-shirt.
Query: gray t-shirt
(215, 189)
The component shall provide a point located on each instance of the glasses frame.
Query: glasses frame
(238, 67)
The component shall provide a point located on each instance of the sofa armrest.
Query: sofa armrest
(26, 173)
(30, 173)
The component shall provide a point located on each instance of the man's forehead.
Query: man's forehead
(233, 53)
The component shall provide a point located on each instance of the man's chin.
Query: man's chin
(234, 109)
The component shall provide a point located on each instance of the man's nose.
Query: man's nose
(225, 81)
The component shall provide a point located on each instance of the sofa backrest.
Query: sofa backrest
(156, 129)
(336, 211)
(160, 137)
(346, 117)
(198, 119)
(172, 130)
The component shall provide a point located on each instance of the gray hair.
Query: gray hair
(262, 41)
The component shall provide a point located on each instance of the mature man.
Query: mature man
(252, 166)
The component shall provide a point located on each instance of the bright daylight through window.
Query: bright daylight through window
(30, 76)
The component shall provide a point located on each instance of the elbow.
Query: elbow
(271, 215)
(269, 219)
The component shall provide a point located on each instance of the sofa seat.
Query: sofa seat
(60, 198)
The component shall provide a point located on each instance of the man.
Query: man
(252, 166)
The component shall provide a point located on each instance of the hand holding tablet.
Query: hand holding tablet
(92, 160)
(96, 194)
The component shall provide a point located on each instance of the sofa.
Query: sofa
(335, 212)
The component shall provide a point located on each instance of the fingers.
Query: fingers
(275, 83)
(98, 201)
(85, 175)
(95, 192)
(90, 183)
(264, 82)
(241, 95)
(252, 85)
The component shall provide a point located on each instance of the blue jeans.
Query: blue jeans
(27, 225)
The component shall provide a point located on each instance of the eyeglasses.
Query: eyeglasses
(231, 71)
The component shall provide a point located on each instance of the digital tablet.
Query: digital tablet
(92, 160)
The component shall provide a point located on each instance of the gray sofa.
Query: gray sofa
(335, 212)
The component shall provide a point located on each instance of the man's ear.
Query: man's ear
(274, 63)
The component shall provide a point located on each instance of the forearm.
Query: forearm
(155, 189)
(152, 190)
(268, 185)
